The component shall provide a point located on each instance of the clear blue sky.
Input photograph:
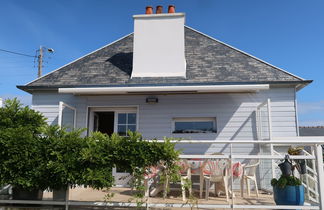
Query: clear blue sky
(288, 34)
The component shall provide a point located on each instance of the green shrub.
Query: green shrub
(22, 163)
(36, 156)
(97, 161)
(61, 152)
(132, 154)
(14, 115)
(284, 181)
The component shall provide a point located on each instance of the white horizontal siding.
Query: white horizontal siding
(50, 112)
(234, 115)
(234, 112)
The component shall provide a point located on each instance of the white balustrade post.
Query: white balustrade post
(269, 118)
(231, 173)
(67, 197)
(273, 171)
(320, 174)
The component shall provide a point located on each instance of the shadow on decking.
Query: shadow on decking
(96, 199)
(174, 197)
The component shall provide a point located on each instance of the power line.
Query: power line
(17, 53)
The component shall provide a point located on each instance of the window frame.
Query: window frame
(116, 109)
(116, 124)
(194, 119)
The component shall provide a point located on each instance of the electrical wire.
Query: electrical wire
(17, 53)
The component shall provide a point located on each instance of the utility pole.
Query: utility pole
(40, 61)
(40, 58)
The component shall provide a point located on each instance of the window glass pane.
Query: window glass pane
(204, 126)
(131, 128)
(194, 127)
(126, 121)
(122, 130)
(131, 118)
(121, 118)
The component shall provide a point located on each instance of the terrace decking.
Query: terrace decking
(124, 195)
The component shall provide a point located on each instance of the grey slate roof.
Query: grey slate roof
(208, 62)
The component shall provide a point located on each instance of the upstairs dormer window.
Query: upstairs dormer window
(194, 125)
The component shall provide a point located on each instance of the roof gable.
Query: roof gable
(208, 61)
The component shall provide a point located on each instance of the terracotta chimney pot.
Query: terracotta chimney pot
(171, 9)
(149, 10)
(159, 9)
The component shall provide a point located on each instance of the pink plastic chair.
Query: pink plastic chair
(217, 171)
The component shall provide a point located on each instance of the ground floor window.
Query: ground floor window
(194, 125)
(126, 122)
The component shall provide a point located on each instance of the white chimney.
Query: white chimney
(159, 46)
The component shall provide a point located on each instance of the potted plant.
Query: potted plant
(21, 164)
(288, 189)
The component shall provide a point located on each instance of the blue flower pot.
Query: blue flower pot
(289, 195)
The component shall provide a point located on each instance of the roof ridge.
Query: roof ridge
(111, 43)
(245, 53)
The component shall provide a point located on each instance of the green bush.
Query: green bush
(22, 164)
(36, 156)
(284, 181)
(97, 161)
(131, 153)
(14, 115)
(61, 152)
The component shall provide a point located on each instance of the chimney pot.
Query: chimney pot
(159, 9)
(171, 9)
(149, 10)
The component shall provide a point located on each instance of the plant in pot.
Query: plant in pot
(288, 189)
(22, 164)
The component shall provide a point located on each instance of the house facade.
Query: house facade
(169, 80)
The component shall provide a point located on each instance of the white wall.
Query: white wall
(234, 113)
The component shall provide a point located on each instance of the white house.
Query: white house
(167, 79)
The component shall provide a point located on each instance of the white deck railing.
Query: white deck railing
(309, 179)
(317, 174)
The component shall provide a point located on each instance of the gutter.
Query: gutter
(30, 88)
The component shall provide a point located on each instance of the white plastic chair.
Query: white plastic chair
(249, 173)
(217, 171)
(185, 173)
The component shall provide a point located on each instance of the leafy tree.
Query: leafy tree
(14, 115)
(20, 152)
